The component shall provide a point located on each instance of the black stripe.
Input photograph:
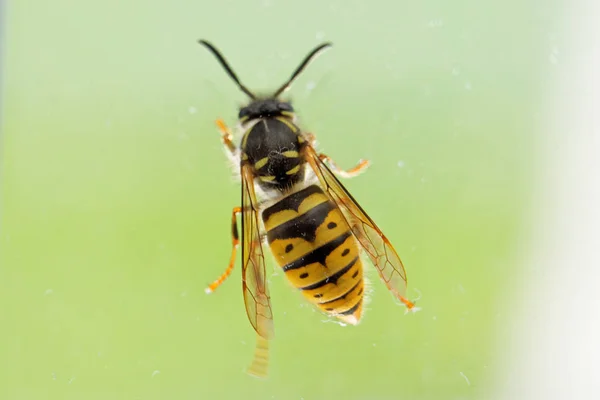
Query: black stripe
(293, 201)
(333, 278)
(304, 226)
(351, 310)
(319, 254)
(342, 296)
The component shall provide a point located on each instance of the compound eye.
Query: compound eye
(244, 112)
(283, 106)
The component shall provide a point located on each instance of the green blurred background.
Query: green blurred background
(116, 195)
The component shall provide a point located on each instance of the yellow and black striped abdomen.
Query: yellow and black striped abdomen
(314, 245)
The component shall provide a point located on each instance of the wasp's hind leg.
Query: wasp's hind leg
(235, 243)
(260, 363)
(349, 173)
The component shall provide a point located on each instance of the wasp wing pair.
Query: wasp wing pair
(254, 277)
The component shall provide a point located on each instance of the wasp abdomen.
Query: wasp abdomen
(314, 245)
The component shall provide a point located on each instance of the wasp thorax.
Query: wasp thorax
(274, 149)
(265, 108)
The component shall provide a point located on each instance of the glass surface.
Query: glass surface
(116, 194)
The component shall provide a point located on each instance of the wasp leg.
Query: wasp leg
(312, 139)
(226, 137)
(350, 173)
(235, 243)
(260, 362)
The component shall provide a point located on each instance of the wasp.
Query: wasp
(293, 202)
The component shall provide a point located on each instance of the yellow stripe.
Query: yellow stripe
(285, 215)
(316, 271)
(244, 140)
(344, 303)
(288, 123)
(290, 154)
(261, 163)
(323, 235)
(269, 178)
(329, 291)
(279, 218)
(311, 202)
(293, 170)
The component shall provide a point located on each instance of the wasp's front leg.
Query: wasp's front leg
(235, 239)
(227, 138)
(310, 138)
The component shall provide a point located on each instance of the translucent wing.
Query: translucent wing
(254, 278)
(373, 241)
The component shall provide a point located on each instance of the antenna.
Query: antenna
(301, 67)
(284, 87)
(227, 68)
